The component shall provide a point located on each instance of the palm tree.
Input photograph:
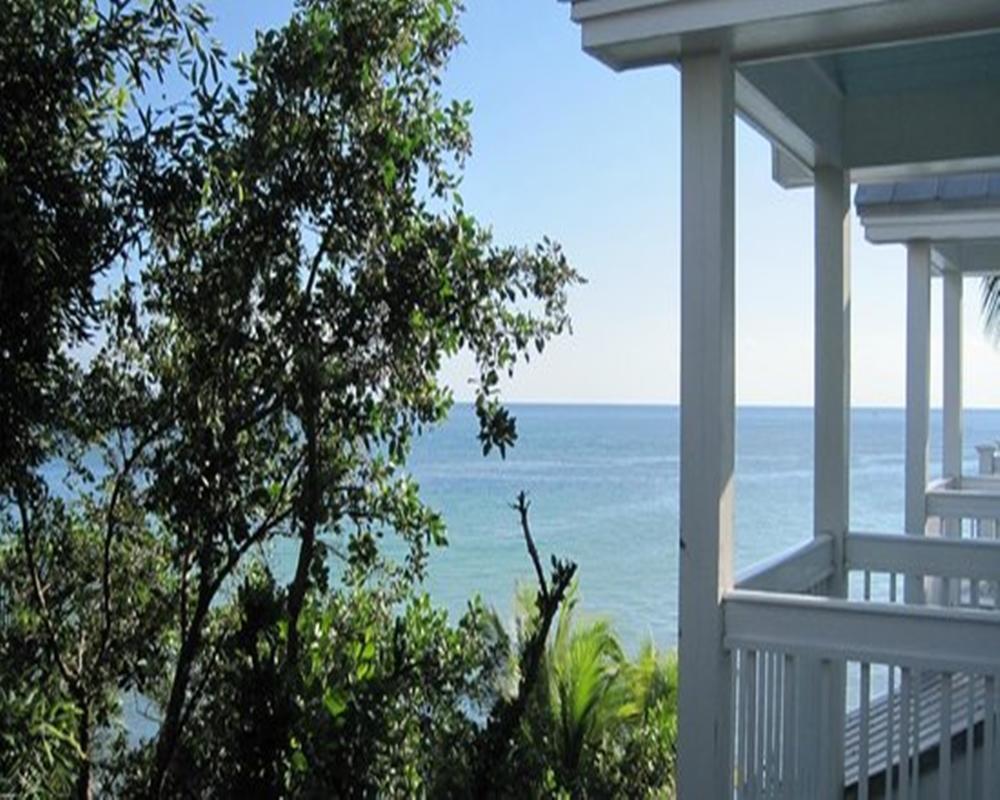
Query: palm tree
(991, 304)
(651, 685)
(603, 723)
(585, 664)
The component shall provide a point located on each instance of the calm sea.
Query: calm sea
(603, 482)
(603, 485)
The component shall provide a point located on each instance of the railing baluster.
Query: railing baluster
(825, 776)
(989, 736)
(763, 696)
(989, 714)
(741, 724)
(944, 739)
(736, 715)
(764, 704)
(790, 741)
(890, 729)
(864, 722)
(917, 691)
(904, 734)
(775, 720)
(752, 774)
(970, 729)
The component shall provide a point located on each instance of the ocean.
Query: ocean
(603, 485)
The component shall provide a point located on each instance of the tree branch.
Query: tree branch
(506, 715)
(39, 591)
(521, 507)
(109, 536)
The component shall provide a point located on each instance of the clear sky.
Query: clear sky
(567, 148)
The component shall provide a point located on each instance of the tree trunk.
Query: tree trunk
(310, 517)
(170, 732)
(83, 791)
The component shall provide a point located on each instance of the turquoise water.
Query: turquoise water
(603, 481)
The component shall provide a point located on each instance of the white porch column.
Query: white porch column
(832, 424)
(707, 423)
(832, 379)
(918, 346)
(952, 374)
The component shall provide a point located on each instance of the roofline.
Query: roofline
(625, 34)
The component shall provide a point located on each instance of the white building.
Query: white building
(856, 654)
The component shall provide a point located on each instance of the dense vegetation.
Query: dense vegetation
(226, 290)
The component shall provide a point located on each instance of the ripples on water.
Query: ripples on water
(603, 481)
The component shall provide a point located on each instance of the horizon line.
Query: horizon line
(664, 404)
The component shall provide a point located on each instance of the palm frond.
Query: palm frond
(991, 306)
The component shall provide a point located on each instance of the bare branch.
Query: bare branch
(521, 507)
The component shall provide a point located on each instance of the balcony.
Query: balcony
(913, 651)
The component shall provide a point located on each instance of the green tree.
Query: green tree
(298, 265)
(67, 71)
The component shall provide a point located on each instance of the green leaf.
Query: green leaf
(389, 172)
(335, 702)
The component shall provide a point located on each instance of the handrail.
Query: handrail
(975, 559)
(796, 570)
(920, 637)
(963, 503)
(986, 483)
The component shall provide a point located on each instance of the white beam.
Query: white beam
(796, 105)
(707, 423)
(918, 345)
(788, 171)
(625, 34)
(952, 375)
(901, 223)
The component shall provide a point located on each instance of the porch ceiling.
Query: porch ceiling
(885, 112)
(884, 88)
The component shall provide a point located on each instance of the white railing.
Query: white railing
(967, 507)
(804, 569)
(922, 679)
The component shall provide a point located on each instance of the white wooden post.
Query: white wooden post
(952, 375)
(707, 423)
(986, 528)
(832, 424)
(918, 346)
(947, 591)
(986, 458)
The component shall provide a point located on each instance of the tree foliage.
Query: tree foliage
(598, 724)
(227, 288)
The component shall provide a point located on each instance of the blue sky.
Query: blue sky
(567, 148)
